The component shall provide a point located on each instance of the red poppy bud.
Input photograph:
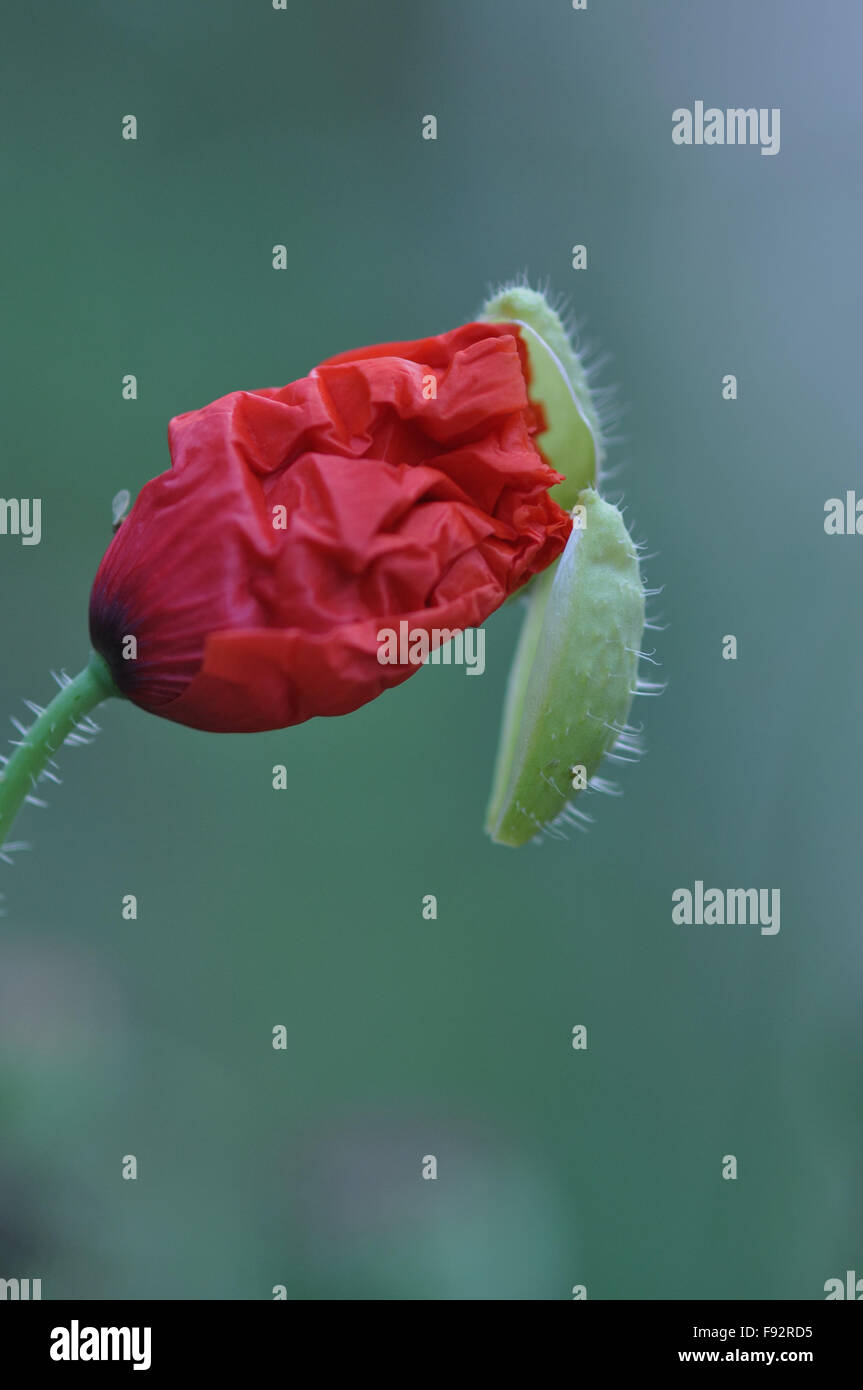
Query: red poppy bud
(396, 482)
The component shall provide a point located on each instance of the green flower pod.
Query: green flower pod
(572, 440)
(573, 677)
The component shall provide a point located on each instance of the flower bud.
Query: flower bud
(397, 483)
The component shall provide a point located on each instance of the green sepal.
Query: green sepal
(573, 676)
(558, 383)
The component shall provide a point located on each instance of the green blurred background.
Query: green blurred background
(303, 908)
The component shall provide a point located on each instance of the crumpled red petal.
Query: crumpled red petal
(398, 505)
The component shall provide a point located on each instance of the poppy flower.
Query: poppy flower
(409, 486)
(399, 482)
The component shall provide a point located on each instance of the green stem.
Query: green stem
(53, 726)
